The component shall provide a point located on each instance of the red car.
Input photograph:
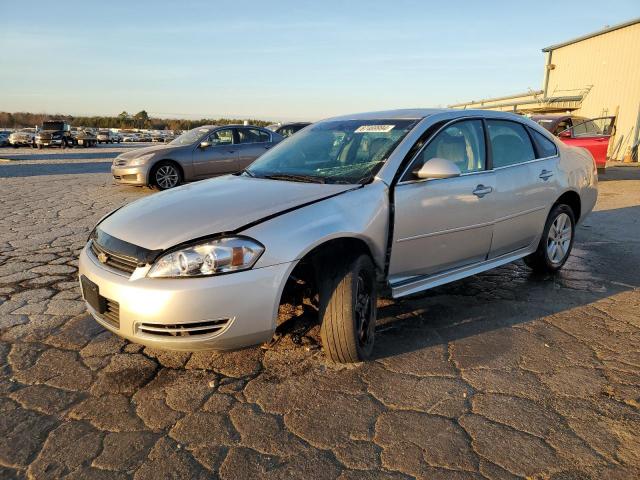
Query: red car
(590, 133)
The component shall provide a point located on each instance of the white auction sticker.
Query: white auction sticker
(374, 128)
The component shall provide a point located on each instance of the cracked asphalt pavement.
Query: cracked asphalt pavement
(502, 375)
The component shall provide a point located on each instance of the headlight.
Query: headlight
(141, 160)
(222, 255)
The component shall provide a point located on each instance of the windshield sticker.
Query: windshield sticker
(374, 129)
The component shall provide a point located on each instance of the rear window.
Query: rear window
(510, 143)
(544, 146)
(252, 135)
(53, 126)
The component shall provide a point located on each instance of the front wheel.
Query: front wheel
(556, 242)
(166, 175)
(348, 298)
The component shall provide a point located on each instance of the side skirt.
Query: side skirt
(419, 283)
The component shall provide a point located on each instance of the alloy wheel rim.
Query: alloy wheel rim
(362, 311)
(559, 239)
(167, 176)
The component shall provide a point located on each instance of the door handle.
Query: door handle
(481, 191)
(545, 175)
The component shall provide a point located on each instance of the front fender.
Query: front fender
(362, 213)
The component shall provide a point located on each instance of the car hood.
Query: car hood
(143, 151)
(49, 133)
(222, 204)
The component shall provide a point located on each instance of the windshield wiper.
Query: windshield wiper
(244, 170)
(292, 177)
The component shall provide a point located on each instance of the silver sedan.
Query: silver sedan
(402, 200)
(203, 152)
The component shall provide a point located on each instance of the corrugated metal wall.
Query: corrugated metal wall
(611, 64)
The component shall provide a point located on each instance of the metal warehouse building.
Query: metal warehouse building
(591, 76)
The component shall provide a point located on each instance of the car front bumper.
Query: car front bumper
(46, 142)
(135, 175)
(178, 314)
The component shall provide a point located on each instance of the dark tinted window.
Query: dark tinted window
(545, 147)
(53, 126)
(510, 143)
(252, 135)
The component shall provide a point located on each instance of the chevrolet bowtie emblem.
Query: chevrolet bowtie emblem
(103, 257)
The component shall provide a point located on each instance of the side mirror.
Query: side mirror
(565, 134)
(438, 168)
(205, 144)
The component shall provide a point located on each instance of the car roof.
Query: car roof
(399, 114)
(289, 124)
(233, 125)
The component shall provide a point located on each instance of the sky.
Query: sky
(279, 59)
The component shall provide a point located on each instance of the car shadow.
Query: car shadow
(626, 172)
(79, 153)
(513, 294)
(34, 170)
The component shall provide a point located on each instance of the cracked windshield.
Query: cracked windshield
(350, 151)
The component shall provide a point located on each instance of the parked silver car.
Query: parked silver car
(203, 152)
(405, 200)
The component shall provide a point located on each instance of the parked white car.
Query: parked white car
(23, 138)
(107, 136)
(405, 200)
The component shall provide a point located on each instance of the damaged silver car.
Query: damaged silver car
(397, 201)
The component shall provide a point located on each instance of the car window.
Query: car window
(462, 143)
(252, 135)
(546, 148)
(287, 131)
(510, 143)
(562, 126)
(221, 137)
(340, 151)
(592, 128)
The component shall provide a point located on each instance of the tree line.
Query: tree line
(124, 120)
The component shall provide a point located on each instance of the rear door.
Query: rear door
(593, 134)
(219, 157)
(440, 224)
(526, 181)
(252, 142)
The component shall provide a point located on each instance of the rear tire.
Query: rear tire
(166, 175)
(556, 241)
(348, 298)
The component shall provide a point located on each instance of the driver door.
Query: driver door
(441, 224)
(219, 157)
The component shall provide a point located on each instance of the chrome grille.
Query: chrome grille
(183, 329)
(118, 262)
